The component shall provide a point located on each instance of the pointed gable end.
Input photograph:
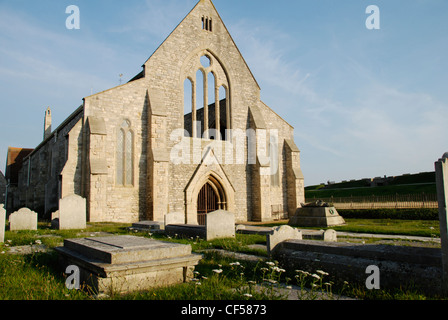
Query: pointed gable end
(201, 30)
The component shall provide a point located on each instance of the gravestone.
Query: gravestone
(55, 215)
(72, 213)
(23, 219)
(124, 264)
(2, 223)
(330, 235)
(220, 224)
(441, 168)
(281, 234)
(174, 218)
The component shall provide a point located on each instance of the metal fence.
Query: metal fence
(398, 201)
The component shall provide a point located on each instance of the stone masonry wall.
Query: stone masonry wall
(109, 200)
(39, 179)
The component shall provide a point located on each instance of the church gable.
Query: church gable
(202, 28)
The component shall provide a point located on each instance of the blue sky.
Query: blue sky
(363, 103)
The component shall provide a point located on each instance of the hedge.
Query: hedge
(400, 214)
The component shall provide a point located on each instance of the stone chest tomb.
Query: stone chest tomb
(123, 264)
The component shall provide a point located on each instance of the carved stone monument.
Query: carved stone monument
(126, 263)
(316, 214)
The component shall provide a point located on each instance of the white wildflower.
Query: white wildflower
(217, 271)
(269, 263)
(322, 272)
(247, 295)
(315, 276)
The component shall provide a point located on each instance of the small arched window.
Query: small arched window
(125, 155)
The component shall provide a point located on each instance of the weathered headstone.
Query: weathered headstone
(2, 223)
(220, 224)
(441, 167)
(55, 215)
(124, 264)
(281, 234)
(23, 219)
(330, 235)
(174, 218)
(55, 220)
(72, 213)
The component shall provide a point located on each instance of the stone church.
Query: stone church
(188, 134)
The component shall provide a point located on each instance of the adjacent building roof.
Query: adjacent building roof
(14, 161)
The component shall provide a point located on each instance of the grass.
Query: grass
(37, 276)
(422, 228)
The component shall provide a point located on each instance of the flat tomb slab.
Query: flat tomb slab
(124, 249)
(128, 263)
(186, 231)
(148, 225)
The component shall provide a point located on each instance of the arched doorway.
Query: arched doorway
(210, 198)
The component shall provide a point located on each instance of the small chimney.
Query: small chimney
(47, 123)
